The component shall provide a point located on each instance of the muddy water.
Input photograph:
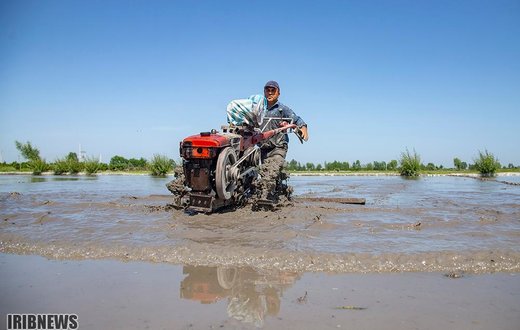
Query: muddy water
(107, 294)
(431, 224)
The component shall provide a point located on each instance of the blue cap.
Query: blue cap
(272, 83)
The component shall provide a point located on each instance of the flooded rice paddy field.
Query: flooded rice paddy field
(439, 223)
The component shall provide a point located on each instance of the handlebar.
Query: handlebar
(286, 122)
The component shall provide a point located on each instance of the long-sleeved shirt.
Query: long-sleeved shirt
(272, 119)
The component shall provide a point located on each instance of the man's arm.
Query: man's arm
(298, 121)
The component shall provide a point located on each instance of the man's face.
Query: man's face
(271, 94)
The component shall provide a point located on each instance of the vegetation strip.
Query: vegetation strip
(409, 165)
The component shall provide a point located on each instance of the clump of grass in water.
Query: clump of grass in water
(487, 164)
(38, 166)
(92, 165)
(64, 165)
(160, 165)
(74, 166)
(410, 164)
(60, 166)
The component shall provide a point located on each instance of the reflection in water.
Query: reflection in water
(67, 178)
(251, 295)
(37, 179)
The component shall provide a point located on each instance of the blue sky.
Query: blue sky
(371, 78)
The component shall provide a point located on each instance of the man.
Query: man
(276, 147)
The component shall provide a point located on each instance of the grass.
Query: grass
(410, 164)
(160, 165)
(8, 168)
(92, 165)
(60, 166)
(74, 166)
(38, 166)
(64, 165)
(486, 164)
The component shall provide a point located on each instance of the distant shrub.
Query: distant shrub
(430, 167)
(118, 163)
(67, 165)
(92, 165)
(160, 165)
(410, 164)
(487, 164)
(137, 164)
(74, 166)
(38, 166)
(4, 167)
(60, 166)
(380, 166)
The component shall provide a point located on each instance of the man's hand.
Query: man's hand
(305, 134)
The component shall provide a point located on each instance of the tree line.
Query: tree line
(392, 165)
(408, 165)
(72, 164)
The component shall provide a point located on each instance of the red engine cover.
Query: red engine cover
(206, 140)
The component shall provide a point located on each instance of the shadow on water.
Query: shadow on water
(251, 296)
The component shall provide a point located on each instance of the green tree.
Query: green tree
(118, 163)
(379, 166)
(32, 154)
(309, 167)
(333, 166)
(457, 163)
(72, 157)
(140, 163)
(392, 165)
(28, 151)
(293, 165)
(430, 167)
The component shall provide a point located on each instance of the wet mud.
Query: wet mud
(448, 225)
(271, 184)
